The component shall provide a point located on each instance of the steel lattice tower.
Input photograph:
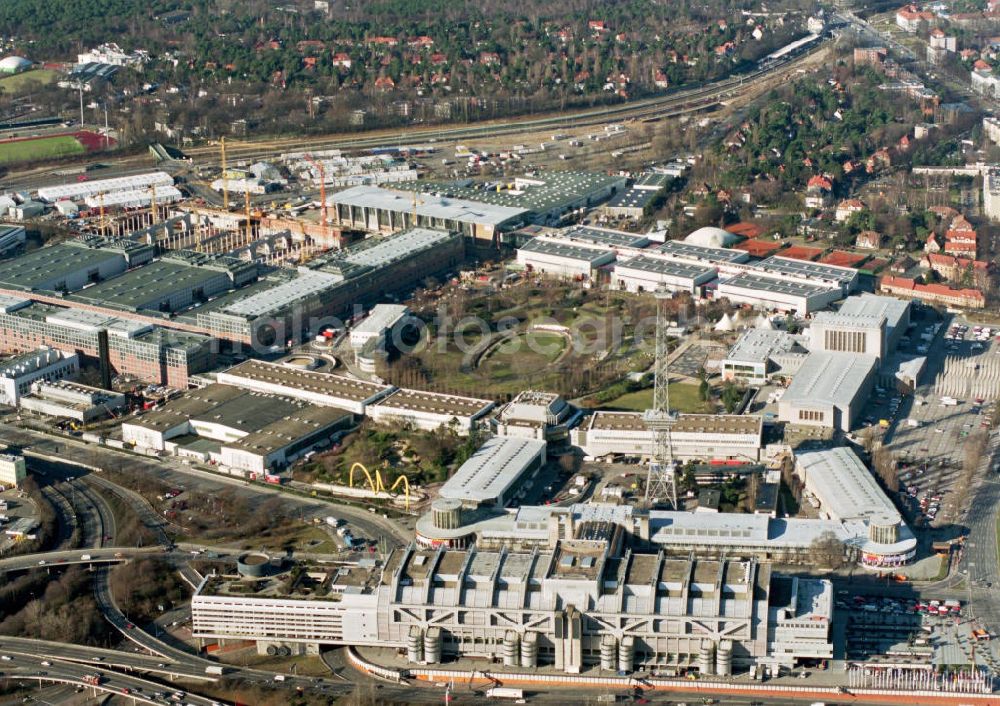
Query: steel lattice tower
(661, 481)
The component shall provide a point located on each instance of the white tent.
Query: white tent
(725, 324)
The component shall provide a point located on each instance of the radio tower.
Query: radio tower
(661, 481)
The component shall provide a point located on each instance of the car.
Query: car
(41, 562)
(46, 663)
(129, 626)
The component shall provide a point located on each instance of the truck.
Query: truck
(913, 422)
(504, 692)
(214, 669)
(85, 557)
(333, 521)
(279, 677)
(92, 679)
(949, 402)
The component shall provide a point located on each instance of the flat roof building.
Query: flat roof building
(72, 264)
(438, 604)
(332, 285)
(726, 261)
(79, 190)
(47, 364)
(382, 319)
(377, 209)
(326, 389)
(829, 390)
(704, 437)
(12, 470)
(563, 258)
(134, 347)
(774, 291)
(760, 353)
(647, 273)
(493, 473)
(850, 333)
(429, 410)
(71, 400)
(845, 278)
(253, 432)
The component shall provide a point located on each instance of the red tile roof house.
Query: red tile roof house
(938, 293)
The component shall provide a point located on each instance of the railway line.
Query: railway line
(680, 102)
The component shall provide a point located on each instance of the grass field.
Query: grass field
(18, 82)
(683, 398)
(42, 148)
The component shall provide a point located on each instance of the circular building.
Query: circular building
(14, 65)
(253, 565)
(710, 237)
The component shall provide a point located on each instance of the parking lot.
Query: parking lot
(921, 630)
(929, 432)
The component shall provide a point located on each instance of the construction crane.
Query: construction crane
(246, 192)
(152, 204)
(225, 178)
(322, 185)
(661, 480)
(104, 226)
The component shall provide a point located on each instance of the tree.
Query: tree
(731, 396)
(827, 551)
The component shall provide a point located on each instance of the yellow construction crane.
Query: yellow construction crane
(377, 484)
(152, 204)
(225, 177)
(246, 192)
(104, 227)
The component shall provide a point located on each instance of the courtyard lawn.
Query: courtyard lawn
(683, 398)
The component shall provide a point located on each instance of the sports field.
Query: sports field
(18, 82)
(39, 148)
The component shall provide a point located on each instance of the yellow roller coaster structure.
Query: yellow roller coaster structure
(376, 483)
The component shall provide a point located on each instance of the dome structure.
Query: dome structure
(14, 65)
(710, 237)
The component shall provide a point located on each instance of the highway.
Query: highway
(193, 479)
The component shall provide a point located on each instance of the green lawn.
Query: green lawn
(683, 398)
(18, 82)
(42, 148)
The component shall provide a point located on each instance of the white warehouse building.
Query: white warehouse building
(693, 436)
(647, 273)
(563, 259)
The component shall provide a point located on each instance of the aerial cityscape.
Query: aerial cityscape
(401, 353)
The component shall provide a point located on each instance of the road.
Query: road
(193, 479)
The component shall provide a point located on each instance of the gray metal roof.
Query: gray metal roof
(702, 253)
(758, 345)
(492, 469)
(811, 270)
(601, 236)
(751, 280)
(894, 310)
(829, 377)
(844, 485)
(274, 298)
(45, 267)
(428, 205)
(670, 268)
(556, 248)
